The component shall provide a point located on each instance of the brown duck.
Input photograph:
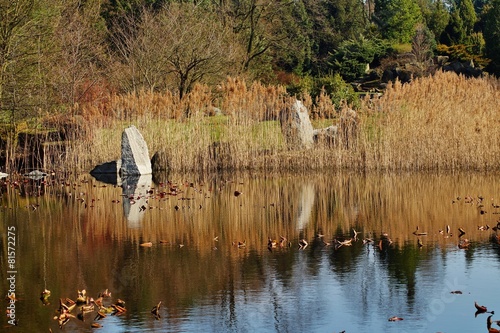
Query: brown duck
(480, 308)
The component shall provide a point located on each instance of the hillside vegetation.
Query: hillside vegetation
(70, 70)
(443, 122)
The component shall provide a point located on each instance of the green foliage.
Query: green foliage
(438, 18)
(351, 58)
(301, 87)
(291, 48)
(340, 92)
(271, 34)
(492, 36)
(397, 18)
(399, 48)
(462, 52)
(332, 23)
(454, 33)
(468, 15)
(477, 43)
(406, 14)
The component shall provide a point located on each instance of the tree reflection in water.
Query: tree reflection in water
(80, 237)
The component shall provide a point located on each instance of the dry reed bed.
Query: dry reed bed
(443, 122)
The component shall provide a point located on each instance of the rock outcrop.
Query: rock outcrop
(296, 126)
(135, 154)
(326, 135)
(134, 158)
(132, 172)
(299, 132)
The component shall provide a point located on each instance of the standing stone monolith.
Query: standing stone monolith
(135, 155)
(297, 127)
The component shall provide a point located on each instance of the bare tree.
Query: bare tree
(258, 25)
(422, 44)
(79, 51)
(15, 21)
(173, 49)
(201, 47)
(138, 44)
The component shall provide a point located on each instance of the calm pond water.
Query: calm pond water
(86, 234)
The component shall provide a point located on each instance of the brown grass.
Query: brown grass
(443, 122)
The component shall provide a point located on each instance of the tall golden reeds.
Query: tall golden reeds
(443, 122)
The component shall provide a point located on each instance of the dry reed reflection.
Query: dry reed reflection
(205, 240)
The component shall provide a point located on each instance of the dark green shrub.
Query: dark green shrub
(333, 85)
(352, 57)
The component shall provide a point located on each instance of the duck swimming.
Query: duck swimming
(480, 308)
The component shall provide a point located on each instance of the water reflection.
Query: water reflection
(306, 204)
(135, 198)
(84, 234)
(135, 190)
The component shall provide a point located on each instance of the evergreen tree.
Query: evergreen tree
(492, 36)
(332, 23)
(468, 16)
(293, 52)
(438, 18)
(454, 33)
(397, 19)
(351, 58)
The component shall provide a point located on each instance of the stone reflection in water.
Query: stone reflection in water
(306, 204)
(135, 193)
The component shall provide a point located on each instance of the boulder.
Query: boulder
(108, 167)
(36, 175)
(296, 126)
(135, 155)
(300, 134)
(215, 111)
(442, 60)
(404, 75)
(160, 161)
(389, 75)
(348, 127)
(326, 135)
(134, 159)
(467, 69)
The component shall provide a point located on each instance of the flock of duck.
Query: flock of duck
(86, 307)
(489, 321)
(479, 310)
